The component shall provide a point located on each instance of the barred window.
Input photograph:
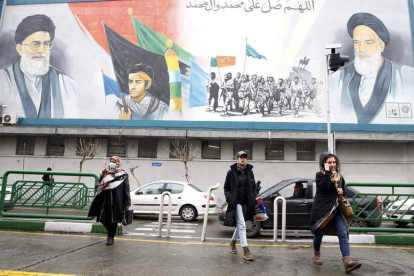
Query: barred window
(55, 146)
(147, 148)
(210, 149)
(25, 145)
(305, 151)
(242, 145)
(274, 150)
(116, 147)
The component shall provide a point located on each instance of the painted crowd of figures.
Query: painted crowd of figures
(253, 93)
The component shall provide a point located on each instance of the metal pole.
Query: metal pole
(203, 234)
(328, 109)
(276, 218)
(162, 213)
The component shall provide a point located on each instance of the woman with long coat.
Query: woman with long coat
(112, 197)
(240, 193)
(327, 218)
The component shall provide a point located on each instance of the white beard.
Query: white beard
(34, 67)
(366, 67)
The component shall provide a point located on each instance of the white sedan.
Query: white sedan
(402, 209)
(188, 201)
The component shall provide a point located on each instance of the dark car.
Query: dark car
(298, 210)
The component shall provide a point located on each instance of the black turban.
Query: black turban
(371, 21)
(32, 24)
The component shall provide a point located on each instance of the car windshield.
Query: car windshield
(195, 188)
(272, 189)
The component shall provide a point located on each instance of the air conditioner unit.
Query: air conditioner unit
(9, 119)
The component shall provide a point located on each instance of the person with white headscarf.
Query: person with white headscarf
(112, 197)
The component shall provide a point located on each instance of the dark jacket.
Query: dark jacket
(109, 205)
(325, 198)
(230, 192)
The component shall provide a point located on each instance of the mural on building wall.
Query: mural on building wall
(223, 60)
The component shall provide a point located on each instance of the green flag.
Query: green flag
(213, 62)
(253, 53)
(155, 42)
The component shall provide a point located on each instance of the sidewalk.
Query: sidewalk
(76, 226)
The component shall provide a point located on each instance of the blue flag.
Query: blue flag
(111, 86)
(253, 53)
(213, 62)
(198, 86)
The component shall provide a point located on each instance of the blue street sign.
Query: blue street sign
(156, 164)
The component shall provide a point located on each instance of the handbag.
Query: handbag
(346, 207)
(260, 211)
(128, 217)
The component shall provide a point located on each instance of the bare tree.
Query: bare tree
(86, 150)
(183, 152)
(132, 169)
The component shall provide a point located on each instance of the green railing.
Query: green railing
(48, 195)
(366, 208)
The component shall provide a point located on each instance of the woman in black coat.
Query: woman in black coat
(327, 218)
(112, 197)
(240, 192)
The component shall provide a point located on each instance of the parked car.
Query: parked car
(188, 201)
(7, 199)
(298, 210)
(398, 210)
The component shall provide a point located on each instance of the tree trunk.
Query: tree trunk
(186, 172)
(80, 169)
(133, 174)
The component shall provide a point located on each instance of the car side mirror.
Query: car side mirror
(275, 195)
(138, 193)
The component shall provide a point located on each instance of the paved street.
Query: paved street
(139, 252)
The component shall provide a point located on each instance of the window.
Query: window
(305, 151)
(55, 146)
(25, 145)
(289, 191)
(116, 147)
(178, 147)
(174, 188)
(210, 149)
(155, 188)
(246, 146)
(274, 150)
(147, 148)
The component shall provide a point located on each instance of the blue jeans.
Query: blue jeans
(341, 231)
(240, 230)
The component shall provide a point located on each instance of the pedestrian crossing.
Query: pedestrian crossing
(179, 229)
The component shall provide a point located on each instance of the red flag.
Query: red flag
(223, 61)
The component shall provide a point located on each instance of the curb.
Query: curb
(53, 226)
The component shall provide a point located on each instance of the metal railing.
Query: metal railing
(203, 234)
(162, 214)
(275, 207)
(366, 207)
(47, 195)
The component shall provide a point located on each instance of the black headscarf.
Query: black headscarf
(371, 21)
(32, 24)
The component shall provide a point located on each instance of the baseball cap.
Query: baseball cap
(240, 153)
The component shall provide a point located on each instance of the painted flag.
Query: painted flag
(153, 41)
(198, 83)
(253, 53)
(213, 62)
(125, 54)
(224, 61)
(111, 86)
(176, 101)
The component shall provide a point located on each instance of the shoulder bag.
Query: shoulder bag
(346, 207)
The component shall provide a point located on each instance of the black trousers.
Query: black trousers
(111, 227)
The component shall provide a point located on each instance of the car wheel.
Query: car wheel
(188, 213)
(252, 228)
(401, 223)
(357, 223)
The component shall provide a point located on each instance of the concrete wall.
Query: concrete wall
(361, 162)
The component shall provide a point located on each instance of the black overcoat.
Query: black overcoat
(109, 205)
(230, 192)
(326, 200)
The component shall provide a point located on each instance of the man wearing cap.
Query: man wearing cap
(140, 103)
(240, 192)
(31, 87)
(364, 90)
